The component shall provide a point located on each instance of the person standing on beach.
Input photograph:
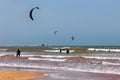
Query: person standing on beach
(18, 53)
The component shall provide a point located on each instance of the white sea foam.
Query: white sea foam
(109, 63)
(29, 66)
(63, 51)
(96, 57)
(48, 59)
(6, 53)
(30, 55)
(2, 49)
(46, 56)
(82, 69)
(95, 49)
(2, 54)
(61, 48)
(55, 56)
(64, 77)
(101, 49)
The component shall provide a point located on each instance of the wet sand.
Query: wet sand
(19, 75)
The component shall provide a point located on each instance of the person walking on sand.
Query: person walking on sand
(18, 53)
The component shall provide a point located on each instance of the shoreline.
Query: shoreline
(20, 75)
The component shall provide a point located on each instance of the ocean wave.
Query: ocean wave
(46, 56)
(2, 50)
(96, 57)
(109, 63)
(30, 55)
(54, 56)
(102, 49)
(57, 62)
(66, 67)
(48, 59)
(63, 51)
(6, 53)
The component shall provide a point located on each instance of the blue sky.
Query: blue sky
(93, 22)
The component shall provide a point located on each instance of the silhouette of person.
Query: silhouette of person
(18, 53)
(67, 51)
(60, 50)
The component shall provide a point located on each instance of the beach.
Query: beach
(19, 75)
(45, 65)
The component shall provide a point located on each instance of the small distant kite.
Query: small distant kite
(55, 32)
(73, 37)
(30, 13)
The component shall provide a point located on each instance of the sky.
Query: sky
(92, 22)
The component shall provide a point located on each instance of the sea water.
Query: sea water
(62, 66)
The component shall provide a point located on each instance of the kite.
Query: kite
(73, 37)
(31, 11)
(55, 32)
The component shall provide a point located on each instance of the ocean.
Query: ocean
(94, 63)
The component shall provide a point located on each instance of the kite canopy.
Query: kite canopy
(31, 13)
(55, 32)
(73, 37)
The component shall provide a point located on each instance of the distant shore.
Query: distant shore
(19, 75)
